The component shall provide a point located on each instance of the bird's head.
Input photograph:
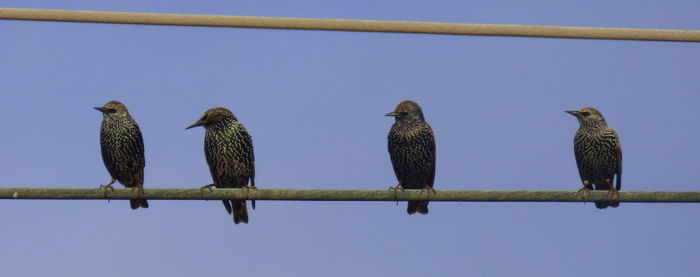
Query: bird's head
(113, 110)
(588, 116)
(407, 111)
(213, 116)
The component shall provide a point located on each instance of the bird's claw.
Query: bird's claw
(396, 189)
(247, 189)
(106, 187)
(429, 189)
(614, 195)
(583, 193)
(139, 190)
(205, 188)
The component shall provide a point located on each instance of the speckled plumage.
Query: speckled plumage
(122, 149)
(229, 152)
(598, 154)
(411, 146)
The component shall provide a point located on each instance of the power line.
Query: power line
(350, 195)
(350, 25)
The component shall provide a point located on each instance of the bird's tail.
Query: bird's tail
(240, 211)
(417, 206)
(605, 204)
(138, 203)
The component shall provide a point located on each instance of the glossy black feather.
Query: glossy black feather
(598, 154)
(229, 152)
(411, 146)
(122, 149)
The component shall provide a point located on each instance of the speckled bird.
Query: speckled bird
(229, 152)
(122, 149)
(598, 155)
(412, 151)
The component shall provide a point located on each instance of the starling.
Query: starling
(229, 152)
(412, 152)
(122, 149)
(598, 155)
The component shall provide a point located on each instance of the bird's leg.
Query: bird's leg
(585, 190)
(206, 187)
(428, 188)
(247, 189)
(614, 194)
(138, 189)
(252, 202)
(108, 187)
(396, 189)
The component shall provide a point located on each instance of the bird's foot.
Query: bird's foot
(205, 188)
(583, 193)
(396, 189)
(428, 189)
(139, 190)
(247, 189)
(106, 187)
(614, 194)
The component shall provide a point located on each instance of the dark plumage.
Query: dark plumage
(122, 149)
(229, 152)
(412, 152)
(598, 155)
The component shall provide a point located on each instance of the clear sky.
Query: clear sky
(314, 102)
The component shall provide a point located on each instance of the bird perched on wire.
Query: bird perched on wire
(229, 152)
(412, 151)
(122, 150)
(598, 155)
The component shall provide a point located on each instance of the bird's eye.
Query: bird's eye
(585, 113)
(111, 110)
(403, 113)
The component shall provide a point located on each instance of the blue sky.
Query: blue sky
(314, 103)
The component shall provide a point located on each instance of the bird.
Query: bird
(122, 150)
(229, 152)
(598, 155)
(411, 146)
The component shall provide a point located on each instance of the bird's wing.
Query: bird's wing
(618, 158)
(139, 155)
(579, 163)
(430, 137)
(391, 147)
(250, 155)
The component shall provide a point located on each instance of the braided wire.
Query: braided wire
(350, 195)
(350, 25)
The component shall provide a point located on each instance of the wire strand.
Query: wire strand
(349, 195)
(350, 25)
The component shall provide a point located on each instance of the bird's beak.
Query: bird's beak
(392, 114)
(574, 113)
(102, 109)
(198, 123)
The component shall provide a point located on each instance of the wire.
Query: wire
(350, 25)
(349, 195)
